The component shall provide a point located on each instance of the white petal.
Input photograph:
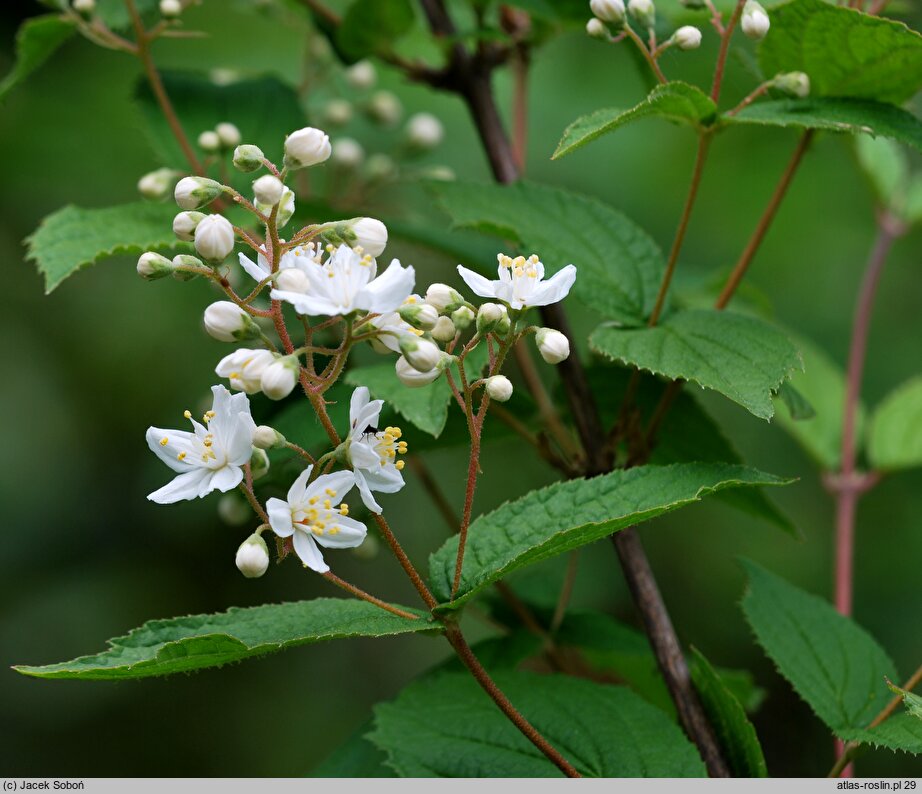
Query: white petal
(253, 270)
(351, 533)
(386, 479)
(184, 486)
(297, 494)
(363, 456)
(226, 478)
(357, 402)
(280, 517)
(555, 288)
(478, 284)
(309, 304)
(340, 482)
(177, 441)
(310, 555)
(388, 291)
(365, 492)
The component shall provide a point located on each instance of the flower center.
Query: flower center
(389, 446)
(319, 516)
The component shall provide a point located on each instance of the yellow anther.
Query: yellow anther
(164, 441)
(344, 509)
(235, 375)
(313, 500)
(329, 492)
(333, 531)
(416, 331)
(181, 456)
(400, 464)
(359, 250)
(187, 414)
(312, 514)
(410, 299)
(330, 274)
(534, 259)
(317, 530)
(208, 442)
(327, 504)
(330, 248)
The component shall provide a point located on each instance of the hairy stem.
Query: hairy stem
(725, 37)
(359, 593)
(391, 539)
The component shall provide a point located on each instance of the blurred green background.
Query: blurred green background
(86, 557)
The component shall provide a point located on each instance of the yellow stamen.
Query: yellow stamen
(164, 441)
(313, 500)
(329, 492)
(187, 414)
(400, 464)
(327, 503)
(181, 456)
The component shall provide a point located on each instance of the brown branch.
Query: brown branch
(359, 593)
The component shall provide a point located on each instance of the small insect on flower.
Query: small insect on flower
(374, 453)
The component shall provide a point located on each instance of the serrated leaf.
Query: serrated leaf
(36, 41)
(370, 27)
(900, 732)
(895, 429)
(678, 102)
(194, 642)
(356, 757)
(73, 238)
(264, 109)
(735, 732)
(743, 358)
(845, 52)
(832, 663)
(620, 266)
(567, 515)
(851, 116)
(446, 726)
(912, 702)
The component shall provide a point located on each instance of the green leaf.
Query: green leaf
(370, 27)
(852, 116)
(735, 732)
(356, 757)
(900, 732)
(180, 645)
(886, 166)
(799, 407)
(676, 101)
(832, 663)
(446, 726)
(36, 41)
(743, 358)
(566, 515)
(73, 238)
(620, 266)
(895, 430)
(845, 52)
(264, 109)
(912, 702)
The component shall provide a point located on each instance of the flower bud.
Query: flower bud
(157, 184)
(370, 234)
(84, 6)
(439, 173)
(259, 464)
(687, 37)
(380, 167)
(419, 315)
(444, 330)
(754, 22)
(499, 388)
(253, 557)
(643, 11)
(265, 437)
(192, 192)
(385, 108)
(425, 131)
(348, 153)
(794, 83)
(170, 8)
(596, 29)
(248, 158)
(489, 315)
(244, 368)
(291, 279)
(214, 238)
(229, 134)
(553, 346)
(184, 224)
(444, 298)
(462, 317)
(285, 211)
(280, 377)
(608, 10)
(338, 112)
(233, 510)
(182, 267)
(421, 354)
(268, 189)
(307, 146)
(412, 377)
(361, 75)
(227, 322)
(152, 266)
(209, 141)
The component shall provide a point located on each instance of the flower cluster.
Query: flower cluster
(327, 276)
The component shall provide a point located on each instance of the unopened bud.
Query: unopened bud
(425, 131)
(421, 354)
(596, 29)
(291, 279)
(184, 224)
(85, 7)
(385, 108)
(410, 376)
(361, 75)
(244, 369)
(307, 146)
(754, 22)
(348, 153)
(286, 208)
(643, 11)
(687, 37)
(462, 317)
(259, 464)
(265, 437)
(248, 158)
(253, 557)
(192, 192)
(214, 238)
(444, 298)
(553, 346)
(794, 83)
(380, 167)
(157, 184)
(419, 315)
(499, 388)
(338, 112)
(185, 266)
(227, 322)
(489, 315)
(280, 377)
(152, 266)
(370, 234)
(444, 330)
(229, 134)
(608, 10)
(268, 189)
(209, 141)
(170, 8)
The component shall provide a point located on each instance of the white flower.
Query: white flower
(214, 237)
(425, 131)
(307, 146)
(212, 456)
(347, 282)
(268, 189)
(157, 184)
(553, 346)
(361, 75)
(192, 192)
(608, 10)
(499, 388)
(227, 322)
(209, 141)
(309, 517)
(421, 354)
(184, 225)
(755, 22)
(348, 152)
(412, 377)
(520, 283)
(371, 235)
(299, 258)
(688, 37)
(280, 377)
(253, 557)
(596, 29)
(373, 452)
(170, 8)
(229, 134)
(244, 368)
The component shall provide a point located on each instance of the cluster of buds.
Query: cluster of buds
(224, 137)
(612, 16)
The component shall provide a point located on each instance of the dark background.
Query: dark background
(85, 557)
